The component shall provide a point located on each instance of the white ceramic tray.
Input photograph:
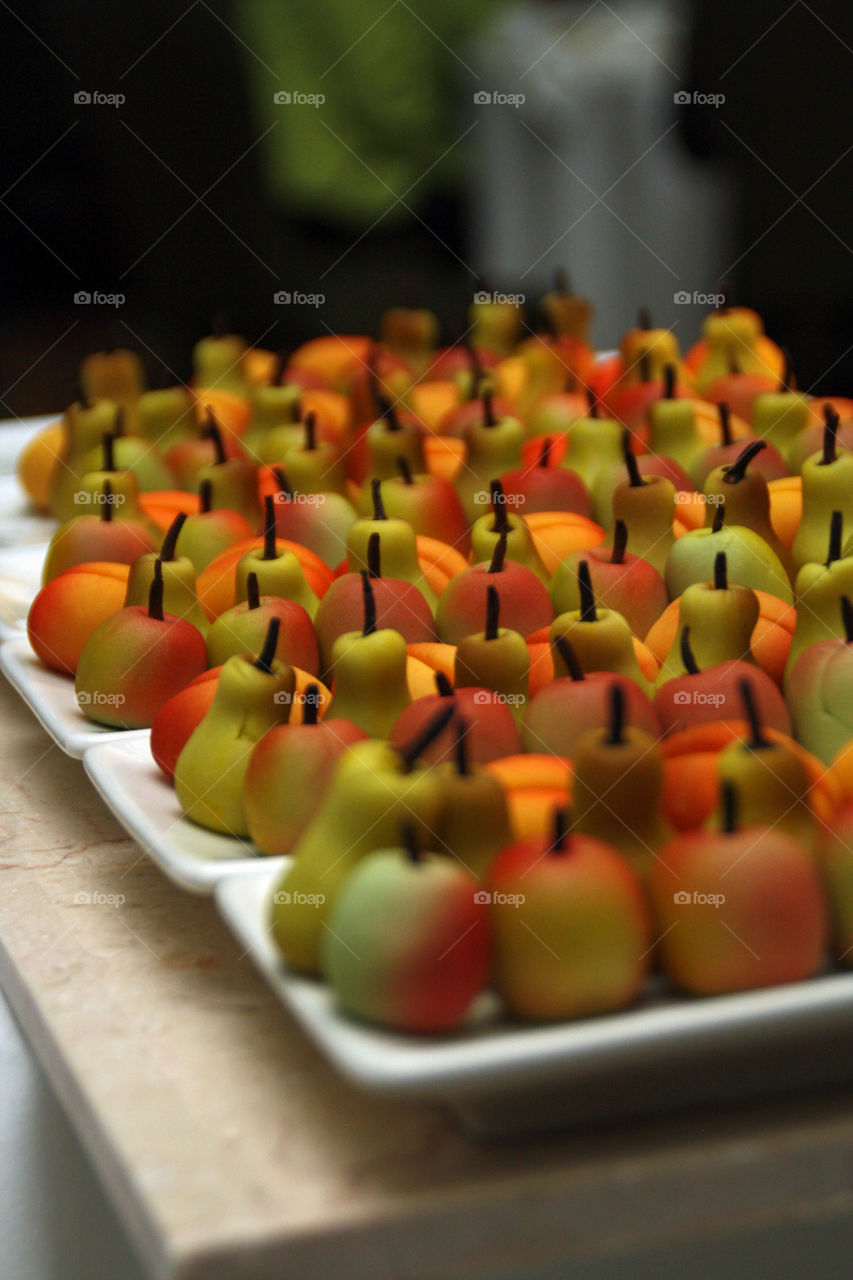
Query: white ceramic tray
(20, 580)
(503, 1077)
(136, 791)
(50, 697)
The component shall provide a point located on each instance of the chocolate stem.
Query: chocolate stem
(310, 430)
(830, 436)
(388, 413)
(376, 495)
(634, 477)
(493, 613)
(489, 419)
(213, 432)
(721, 572)
(167, 549)
(155, 593)
(311, 704)
(499, 553)
(836, 525)
(592, 402)
(616, 723)
(719, 517)
(566, 650)
(107, 513)
(282, 481)
(109, 452)
(847, 618)
(433, 727)
(725, 422)
(668, 392)
(560, 830)
(587, 595)
(460, 749)
(374, 555)
(253, 594)
(405, 470)
(758, 738)
(205, 497)
(736, 472)
(501, 521)
(118, 422)
(270, 552)
(369, 601)
(728, 808)
(443, 687)
(413, 853)
(545, 453)
(264, 660)
(620, 542)
(691, 666)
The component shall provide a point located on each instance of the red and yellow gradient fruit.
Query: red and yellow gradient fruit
(70, 607)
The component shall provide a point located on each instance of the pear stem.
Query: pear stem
(847, 618)
(374, 556)
(369, 601)
(560, 830)
(836, 525)
(205, 497)
(212, 432)
(443, 687)
(282, 481)
(413, 853)
(728, 807)
(493, 613)
(732, 362)
(311, 704)
(310, 430)
(725, 423)
(545, 453)
(592, 402)
(634, 476)
(566, 650)
(758, 738)
(167, 548)
(388, 414)
(830, 436)
(721, 572)
(620, 542)
(616, 724)
(736, 472)
(107, 513)
(376, 495)
(691, 666)
(264, 660)
(253, 594)
(501, 521)
(405, 470)
(270, 552)
(118, 422)
(433, 727)
(489, 419)
(155, 592)
(499, 553)
(460, 748)
(719, 517)
(668, 392)
(587, 611)
(109, 452)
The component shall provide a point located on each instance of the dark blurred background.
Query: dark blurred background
(200, 195)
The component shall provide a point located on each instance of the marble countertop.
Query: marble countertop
(229, 1148)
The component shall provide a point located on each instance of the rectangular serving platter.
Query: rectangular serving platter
(138, 794)
(501, 1077)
